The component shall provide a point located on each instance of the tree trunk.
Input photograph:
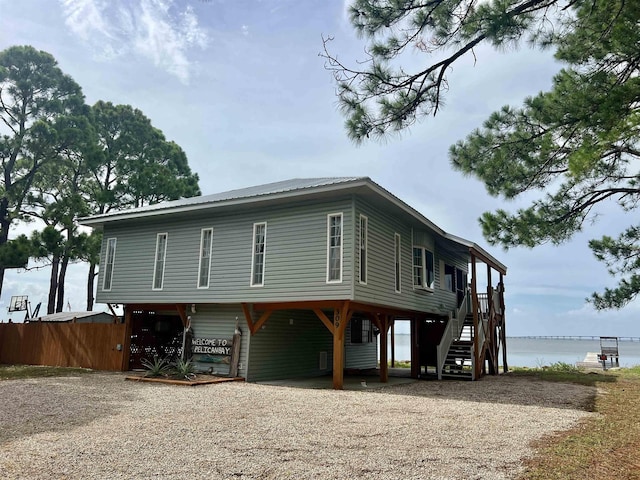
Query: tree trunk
(53, 285)
(61, 277)
(90, 280)
(4, 233)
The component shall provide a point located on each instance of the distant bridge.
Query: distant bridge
(574, 337)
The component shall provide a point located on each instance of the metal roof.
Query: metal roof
(268, 189)
(297, 187)
(68, 316)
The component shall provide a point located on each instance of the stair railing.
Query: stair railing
(452, 331)
(483, 326)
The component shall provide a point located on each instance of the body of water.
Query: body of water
(536, 352)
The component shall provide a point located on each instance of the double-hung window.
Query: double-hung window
(423, 270)
(259, 252)
(110, 259)
(361, 331)
(161, 254)
(398, 270)
(364, 236)
(204, 269)
(334, 247)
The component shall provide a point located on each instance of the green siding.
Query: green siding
(295, 260)
(219, 321)
(359, 355)
(380, 287)
(289, 346)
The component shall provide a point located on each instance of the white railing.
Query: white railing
(452, 331)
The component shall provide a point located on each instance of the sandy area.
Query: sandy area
(99, 426)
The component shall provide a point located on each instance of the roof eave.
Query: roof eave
(99, 220)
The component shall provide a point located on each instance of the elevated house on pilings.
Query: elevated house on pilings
(309, 271)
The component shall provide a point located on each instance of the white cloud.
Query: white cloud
(153, 29)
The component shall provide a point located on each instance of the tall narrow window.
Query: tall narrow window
(398, 272)
(418, 270)
(259, 250)
(334, 247)
(364, 234)
(204, 270)
(108, 264)
(161, 253)
(430, 274)
(449, 278)
(423, 270)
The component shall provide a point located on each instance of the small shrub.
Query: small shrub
(184, 369)
(158, 367)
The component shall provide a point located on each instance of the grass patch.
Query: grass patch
(564, 372)
(604, 446)
(14, 372)
(401, 364)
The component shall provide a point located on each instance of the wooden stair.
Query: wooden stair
(459, 363)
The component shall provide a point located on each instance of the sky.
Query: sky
(239, 85)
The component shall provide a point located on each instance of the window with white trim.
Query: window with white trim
(259, 252)
(423, 269)
(161, 254)
(361, 331)
(204, 268)
(398, 269)
(109, 261)
(334, 247)
(364, 237)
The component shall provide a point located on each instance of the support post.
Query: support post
(474, 301)
(393, 344)
(338, 351)
(126, 342)
(384, 366)
(503, 334)
(415, 353)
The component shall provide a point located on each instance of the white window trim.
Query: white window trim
(423, 266)
(366, 250)
(113, 264)
(338, 280)
(202, 233)
(397, 260)
(164, 261)
(253, 254)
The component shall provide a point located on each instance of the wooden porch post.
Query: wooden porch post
(393, 344)
(384, 366)
(474, 301)
(415, 353)
(341, 318)
(491, 337)
(503, 335)
(126, 343)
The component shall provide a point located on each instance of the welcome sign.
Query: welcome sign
(212, 346)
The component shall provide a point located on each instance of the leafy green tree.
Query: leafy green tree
(90, 253)
(15, 253)
(34, 94)
(57, 198)
(575, 146)
(133, 166)
(48, 244)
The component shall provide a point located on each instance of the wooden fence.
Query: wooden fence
(90, 345)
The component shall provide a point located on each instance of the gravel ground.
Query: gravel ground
(99, 426)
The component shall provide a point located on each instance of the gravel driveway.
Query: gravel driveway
(99, 426)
